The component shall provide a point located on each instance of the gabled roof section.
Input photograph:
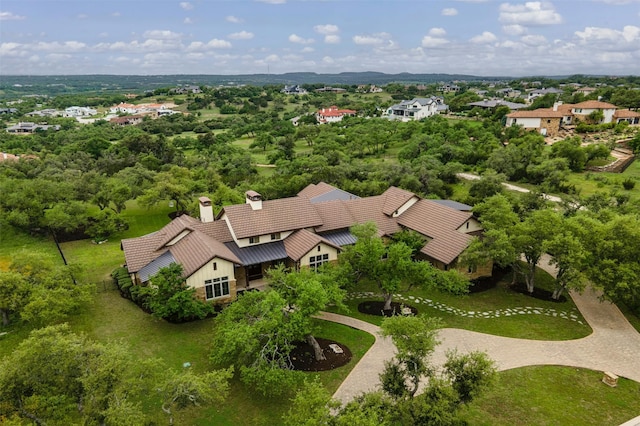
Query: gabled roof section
(394, 198)
(323, 192)
(594, 105)
(280, 215)
(302, 242)
(202, 243)
(440, 223)
(537, 113)
(626, 113)
(196, 249)
(454, 205)
(344, 214)
(313, 190)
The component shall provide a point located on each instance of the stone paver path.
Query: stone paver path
(613, 346)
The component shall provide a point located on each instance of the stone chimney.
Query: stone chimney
(556, 105)
(206, 210)
(254, 200)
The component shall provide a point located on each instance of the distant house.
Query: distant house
(331, 89)
(492, 103)
(333, 114)
(549, 121)
(49, 112)
(4, 156)
(76, 111)
(294, 90)
(583, 109)
(8, 110)
(586, 91)
(631, 117)
(230, 252)
(127, 120)
(28, 127)
(447, 88)
(536, 93)
(416, 109)
(183, 90)
(155, 110)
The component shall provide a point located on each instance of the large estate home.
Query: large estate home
(333, 114)
(417, 108)
(231, 251)
(549, 121)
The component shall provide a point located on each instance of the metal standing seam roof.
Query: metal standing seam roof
(260, 253)
(454, 205)
(152, 268)
(343, 237)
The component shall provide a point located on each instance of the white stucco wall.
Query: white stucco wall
(473, 225)
(324, 249)
(527, 123)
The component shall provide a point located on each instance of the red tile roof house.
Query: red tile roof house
(333, 114)
(231, 251)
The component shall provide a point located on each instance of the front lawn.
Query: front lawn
(112, 318)
(504, 307)
(552, 395)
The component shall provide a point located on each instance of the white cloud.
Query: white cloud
(514, 29)
(372, 40)
(161, 35)
(187, 21)
(294, 38)
(437, 32)
(272, 58)
(433, 42)
(449, 11)
(242, 35)
(8, 16)
(234, 19)
(198, 46)
(103, 34)
(611, 39)
(116, 14)
(534, 40)
(308, 49)
(531, 13)
(328, 60)
(326, 29)
(485, 37)
(332, 39)
(186, 5)
(618, 2)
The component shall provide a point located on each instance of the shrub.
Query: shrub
(628, 184)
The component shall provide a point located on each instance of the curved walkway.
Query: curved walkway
(613, 346)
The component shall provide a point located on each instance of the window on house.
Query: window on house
(215, 266)
(275, 236)
(316, 261)
(217, 287)
(254, 240)
(548, 121)
(318, 248)
(472, 269)
(467, 225)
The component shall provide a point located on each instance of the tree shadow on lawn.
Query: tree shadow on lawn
(376, 307)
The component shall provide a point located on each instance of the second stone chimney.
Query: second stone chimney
(254, 200)
(206, 210)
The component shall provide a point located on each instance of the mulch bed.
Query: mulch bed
(538, 293)
(374, 307)
(487, 283)
(303, 358)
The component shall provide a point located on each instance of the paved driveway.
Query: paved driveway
(613, 346)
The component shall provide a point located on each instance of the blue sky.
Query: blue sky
(480, 37)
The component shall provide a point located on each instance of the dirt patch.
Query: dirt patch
(375, 307)
(538, 293)
(303, 358)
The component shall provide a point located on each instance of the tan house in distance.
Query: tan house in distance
(549, 121)
(231, 251)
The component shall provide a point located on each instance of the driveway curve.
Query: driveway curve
(613, 346)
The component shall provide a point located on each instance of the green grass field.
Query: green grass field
(552, 395)
(526, 326)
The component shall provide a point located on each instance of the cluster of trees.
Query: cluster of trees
(595, 241)
(463, 378)
(56, 376)
(37, 290)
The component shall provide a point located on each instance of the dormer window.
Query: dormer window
(254, 240)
